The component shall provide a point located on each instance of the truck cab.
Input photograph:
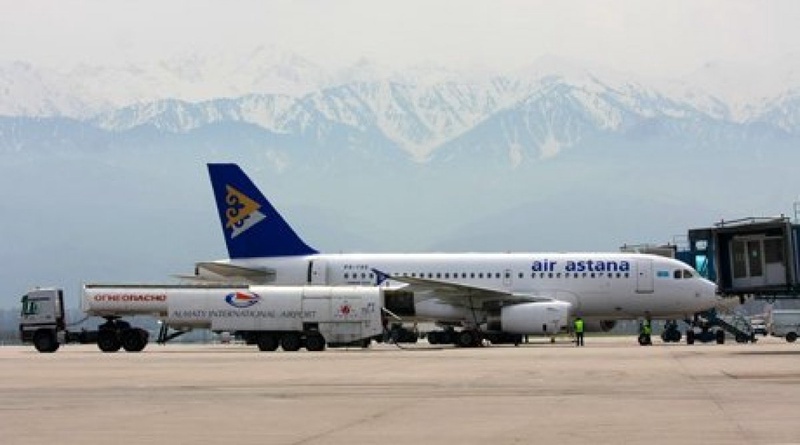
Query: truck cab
(42, 318)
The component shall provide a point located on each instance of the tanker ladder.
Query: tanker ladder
(164, 335)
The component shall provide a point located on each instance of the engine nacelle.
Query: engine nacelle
(599, 325)
(547, 317)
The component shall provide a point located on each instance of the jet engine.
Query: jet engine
(599, 325)
(547, 317)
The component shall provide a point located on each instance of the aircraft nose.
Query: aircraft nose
(710, 294)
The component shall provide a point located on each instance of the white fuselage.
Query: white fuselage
(604, 286)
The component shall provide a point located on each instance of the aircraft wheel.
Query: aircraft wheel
(45, 341)
(291, 342)
(791, 337)
(690, 337)
(741, 338)
(434, 337)
(267, 342)
(720, 337)
(315, 342)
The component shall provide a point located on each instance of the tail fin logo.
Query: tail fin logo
(242, 212)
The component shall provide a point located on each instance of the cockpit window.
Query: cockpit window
(677, 274)
(687, 273)
(682, 274)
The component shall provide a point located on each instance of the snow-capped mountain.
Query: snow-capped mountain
(427, 113)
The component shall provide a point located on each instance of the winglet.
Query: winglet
(252, 227)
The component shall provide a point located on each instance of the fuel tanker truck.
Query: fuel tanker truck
(267, 316)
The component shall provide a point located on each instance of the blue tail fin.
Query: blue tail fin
(252, 227)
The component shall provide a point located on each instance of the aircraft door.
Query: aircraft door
(317, 273)
(507, 280)
(644, 276)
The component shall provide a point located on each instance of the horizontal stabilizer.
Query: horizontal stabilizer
(228, 273)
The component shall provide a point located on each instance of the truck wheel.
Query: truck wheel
(267, 342)
(315, 342)
(134, 340)
(108, 341)
(791, 337)
(45, 341)
(291, 342)
(466, 338)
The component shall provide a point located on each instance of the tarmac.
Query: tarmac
(610, 391)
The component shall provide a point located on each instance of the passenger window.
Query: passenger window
(520, 275)
(480, 275)
(346, 276)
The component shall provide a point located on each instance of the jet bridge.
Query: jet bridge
(748, 257)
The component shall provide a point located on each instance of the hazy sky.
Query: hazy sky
(649, 37)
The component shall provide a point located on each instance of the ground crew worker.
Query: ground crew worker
(645, 330)
(578, 331)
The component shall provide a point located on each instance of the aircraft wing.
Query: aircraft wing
(463, 294)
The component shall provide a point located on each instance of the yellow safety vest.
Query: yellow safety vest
(579, 326)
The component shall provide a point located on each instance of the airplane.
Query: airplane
(473, 296)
